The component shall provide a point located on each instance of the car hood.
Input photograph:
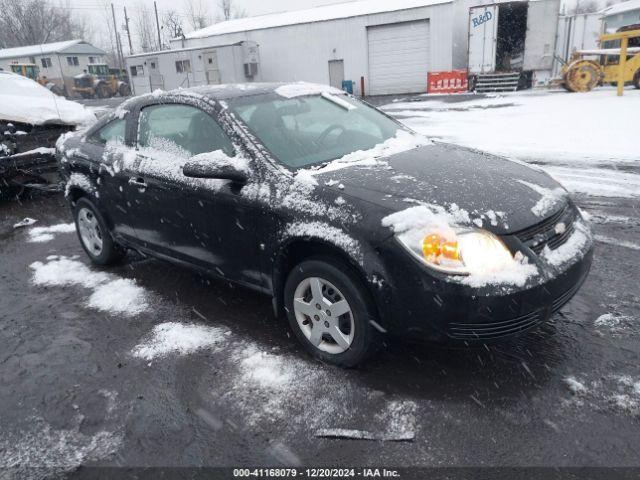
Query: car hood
(501, 195)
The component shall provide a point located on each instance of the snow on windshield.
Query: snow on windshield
(23, 100)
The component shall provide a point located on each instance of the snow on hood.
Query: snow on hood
(23, 100)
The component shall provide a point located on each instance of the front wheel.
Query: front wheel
(636, 79)
(330, 311)
(94, 234)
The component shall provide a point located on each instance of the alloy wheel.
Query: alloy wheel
(324, 315)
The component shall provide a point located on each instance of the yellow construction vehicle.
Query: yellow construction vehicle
(616, 65)
(99, 82)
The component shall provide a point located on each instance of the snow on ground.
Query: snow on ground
(46, 234)
(110, 294)
(44, 446)
(555, 126)
(617, 393)
(178, 338)
(559, 129)
(614, 322)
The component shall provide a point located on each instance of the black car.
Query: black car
(357, 227)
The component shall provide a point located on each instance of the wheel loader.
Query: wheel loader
(618, 63)
(97, 82)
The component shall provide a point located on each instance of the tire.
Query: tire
(102, 91)
(87, 218)
(636, 79)
(339, 282)
(124, 90)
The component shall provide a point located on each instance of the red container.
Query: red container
(455, 81)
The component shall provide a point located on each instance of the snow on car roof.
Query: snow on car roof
(317, 14)
(25, 101)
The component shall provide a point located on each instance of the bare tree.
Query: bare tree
(144, 27)
(197, 14)
(30, 22)
(585, 6)
(172, 25)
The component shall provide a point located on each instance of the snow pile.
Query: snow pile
(299, 89)
(427, 217)
(549, 198)
(23, 100)
(178, 338)
(575, 387)
(110, 294)
(42, 446)
(46, 234)
(119, 296)
(614, 322)
(265, 369)
(515, 273)
(401, 142)
(574, 246)
(558, 127)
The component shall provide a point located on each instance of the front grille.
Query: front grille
(487, 331)
(544, 234)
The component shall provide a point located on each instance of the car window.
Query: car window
(181, 128)
(313, 129)
(111, 132)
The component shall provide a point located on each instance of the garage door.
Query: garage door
(398, 57)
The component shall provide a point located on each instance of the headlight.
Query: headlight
(459, 253)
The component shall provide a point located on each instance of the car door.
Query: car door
(108, 146)
(193, 220)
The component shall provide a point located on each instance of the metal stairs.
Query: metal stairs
(497, 82)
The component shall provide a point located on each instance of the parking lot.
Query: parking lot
(188, 371)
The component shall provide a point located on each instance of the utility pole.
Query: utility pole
(115, 29)
(126, 25)
(155, 7)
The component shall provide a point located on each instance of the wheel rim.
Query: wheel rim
(323, 315)
(90, 231)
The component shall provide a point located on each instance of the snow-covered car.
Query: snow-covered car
(31, 120)
(356, 226)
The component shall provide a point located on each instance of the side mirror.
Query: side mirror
(222, 171)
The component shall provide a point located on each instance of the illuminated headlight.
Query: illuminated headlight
(458, 253)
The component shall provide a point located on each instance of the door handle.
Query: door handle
(138, 182)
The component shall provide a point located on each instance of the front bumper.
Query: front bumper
(425, 306)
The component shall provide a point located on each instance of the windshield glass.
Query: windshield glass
(312, 130)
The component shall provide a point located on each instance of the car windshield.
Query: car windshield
(311, 130)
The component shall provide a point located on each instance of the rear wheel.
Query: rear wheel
(330, 311)
(94, 234)
(636, 79)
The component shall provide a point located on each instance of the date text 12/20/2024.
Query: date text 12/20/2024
(315, 473)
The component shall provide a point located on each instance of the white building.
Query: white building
(382, 46)
(59, 62)
(622, 15)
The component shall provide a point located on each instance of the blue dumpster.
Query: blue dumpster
(347, 86)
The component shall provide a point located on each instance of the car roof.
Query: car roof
(235, 90)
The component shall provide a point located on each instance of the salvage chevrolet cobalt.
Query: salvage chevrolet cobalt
(356, 226)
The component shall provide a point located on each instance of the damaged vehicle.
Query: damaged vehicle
(357, 227)
(32, 118)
